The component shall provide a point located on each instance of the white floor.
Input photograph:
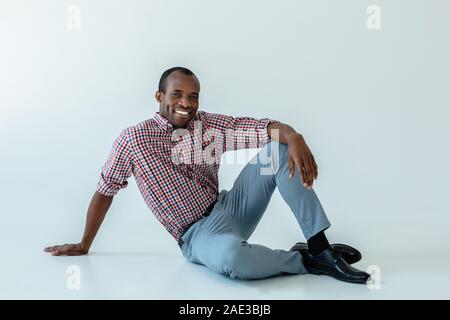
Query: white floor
(134, 258)
(155, 274)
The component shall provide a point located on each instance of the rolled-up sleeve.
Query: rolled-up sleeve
(118, 167)
(239, 132)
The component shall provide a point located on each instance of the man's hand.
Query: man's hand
(301, 157)
(75, 249)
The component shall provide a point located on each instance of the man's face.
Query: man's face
(180, 101)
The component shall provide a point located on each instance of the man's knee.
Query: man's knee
(273, 156)
(233, 259)
(275, 147)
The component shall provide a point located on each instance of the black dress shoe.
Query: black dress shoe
(348, 253)
(331, 264)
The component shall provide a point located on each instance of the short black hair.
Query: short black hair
(166, 74)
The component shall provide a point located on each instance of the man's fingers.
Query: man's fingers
(301, 171)
(313, 170)
(308, 173)
(305, 184)
(51, 249)
(57, 250)
(291, 168)
(316, 170)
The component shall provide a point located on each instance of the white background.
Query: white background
(371, 104)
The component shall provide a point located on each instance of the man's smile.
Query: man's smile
(183, 113)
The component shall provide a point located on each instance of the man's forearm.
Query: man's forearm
(96, 213)
(282, 132)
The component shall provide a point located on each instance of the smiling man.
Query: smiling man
(175, 156)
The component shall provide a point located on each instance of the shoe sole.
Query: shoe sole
(321, 273)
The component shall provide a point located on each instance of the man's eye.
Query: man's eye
(175, 94)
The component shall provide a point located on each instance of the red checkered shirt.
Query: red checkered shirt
(178, 186)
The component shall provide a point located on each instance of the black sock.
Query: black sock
(318, 243)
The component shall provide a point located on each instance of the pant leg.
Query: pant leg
(248, 198)
(215, 242)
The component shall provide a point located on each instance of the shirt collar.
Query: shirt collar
(165, 125)
(162, 122)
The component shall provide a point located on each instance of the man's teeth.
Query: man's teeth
(182, 112)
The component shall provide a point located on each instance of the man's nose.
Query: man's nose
(184, 102)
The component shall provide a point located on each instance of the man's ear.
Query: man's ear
(158, 96)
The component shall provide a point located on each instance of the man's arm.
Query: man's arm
(117, 169)
(299, 154)
(96, 213)
(238, 132)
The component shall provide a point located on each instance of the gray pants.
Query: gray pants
(219, 241)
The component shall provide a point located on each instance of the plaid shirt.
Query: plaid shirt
(177, 181)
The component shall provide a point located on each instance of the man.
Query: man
(174, 158)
